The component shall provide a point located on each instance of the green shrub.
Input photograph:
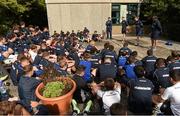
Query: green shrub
(53, 89)
(56, 88)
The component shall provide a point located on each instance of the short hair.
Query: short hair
(118, 109)
(33, 46)
(1, 38)
(175, 75)
(139, 71)
(155, 17)
(106, 45)
(125, 44)
(27, 68)
(174, 54)
(24, 58)
(160, 62)
(86, 55)
(131, 59)
(109, 84)
(134, 53)
(150, 52)
(111, 47)
(80, 69)
(22, 23)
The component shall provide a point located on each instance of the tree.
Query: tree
(168, 12)
(13, 11)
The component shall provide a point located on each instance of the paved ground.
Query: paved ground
(162, 50)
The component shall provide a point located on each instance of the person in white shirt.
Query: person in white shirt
(110, 94)
(173, 93)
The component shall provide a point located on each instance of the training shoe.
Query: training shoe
(75, 107)
(88, 106)
(3, 77)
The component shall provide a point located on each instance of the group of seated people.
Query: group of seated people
(101, 75)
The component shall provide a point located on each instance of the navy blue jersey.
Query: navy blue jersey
(26, 90)
(149, 65)
(106, 71)
(14, 73)
(124, 26)
(162, 78)
(125, 50)
(59, 50)
(140, 96)
(74, 56)
(174, 66)
(112, 55)
(138, 63)
(95, 59)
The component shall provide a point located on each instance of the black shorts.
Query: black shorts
(123, 31)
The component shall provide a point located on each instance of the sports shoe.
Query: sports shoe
(3, 77)
(75, 107)
(88, 106)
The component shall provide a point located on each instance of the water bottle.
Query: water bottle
(3, 92)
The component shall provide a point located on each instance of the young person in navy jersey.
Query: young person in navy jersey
(140, 95)
(110, 53)
(109, 28)
(27, 86)
(105, 70)
(149, 63)
(156, 31)
(125, 49)
(161, 77)
(124, 28)
(139, 29)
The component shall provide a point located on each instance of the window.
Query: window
(132, 12)
(115, 14)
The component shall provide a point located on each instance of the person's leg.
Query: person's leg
(138, 40)
(74, 106)
(155, 43)
(107, 32)
(111, 34)
(152, 43)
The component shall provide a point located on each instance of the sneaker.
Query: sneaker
(88, 106)
(3, 77)
(75, 107)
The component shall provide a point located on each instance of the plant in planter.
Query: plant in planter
(55, 91)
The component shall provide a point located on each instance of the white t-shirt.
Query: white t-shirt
(173, 94)
(110, 97)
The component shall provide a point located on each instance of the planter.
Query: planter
(57, 105)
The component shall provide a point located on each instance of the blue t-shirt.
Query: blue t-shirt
(122, 61)
(88, 65)
(130, 71)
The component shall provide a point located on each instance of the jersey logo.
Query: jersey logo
(142, 88)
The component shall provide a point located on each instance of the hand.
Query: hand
(35, 68)
(34, 104)
(5, 54)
